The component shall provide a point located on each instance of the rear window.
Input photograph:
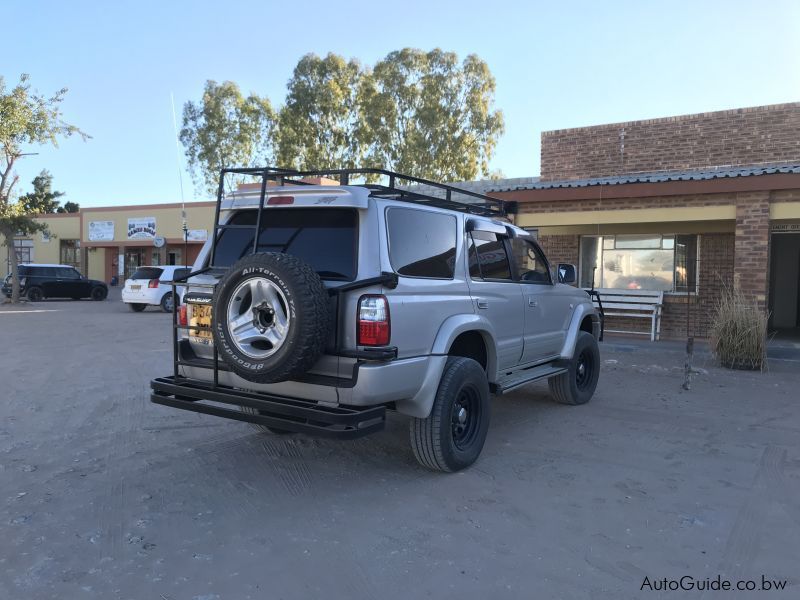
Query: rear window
(326, 238)
(421, 243)
(147, 273)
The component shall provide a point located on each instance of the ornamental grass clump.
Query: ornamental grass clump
(739, 332)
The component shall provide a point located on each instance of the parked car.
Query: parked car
(55, 281)
(339, 302)
(146, 287)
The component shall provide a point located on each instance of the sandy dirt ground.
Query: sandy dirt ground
(106, 495)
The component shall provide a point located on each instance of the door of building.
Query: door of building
(784, 282)
(134, 258)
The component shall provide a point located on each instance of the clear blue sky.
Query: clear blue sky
(557, 65)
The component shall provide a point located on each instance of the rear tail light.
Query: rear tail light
(183, 317)
(153, 283)
(374, 322)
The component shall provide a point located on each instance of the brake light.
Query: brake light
(183, 317)
(153, 283)
(374, 322)
(278, 200)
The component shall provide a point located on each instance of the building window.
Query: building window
(24, 250)
(640, 262)
(70, 253)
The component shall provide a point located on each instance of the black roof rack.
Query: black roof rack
(481, 205)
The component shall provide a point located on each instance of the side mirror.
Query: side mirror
(567, 273)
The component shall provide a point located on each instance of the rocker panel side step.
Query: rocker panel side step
(521, 378)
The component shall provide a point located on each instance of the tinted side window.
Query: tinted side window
(179, 273)
(530, 262)
(491, 257)
(48, 272)
(64, 273)
(421, 243)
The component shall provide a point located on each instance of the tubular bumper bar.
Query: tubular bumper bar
(289, 414)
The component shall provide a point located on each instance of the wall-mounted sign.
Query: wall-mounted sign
(159, 241)
(101, 231)
(141, 228)
(197, 235)
(778, 227)
(45, 237)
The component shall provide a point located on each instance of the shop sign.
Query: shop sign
(197, 235)
(101, 231)
(141, 228)
(779, 227)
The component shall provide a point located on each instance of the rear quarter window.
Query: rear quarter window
(421, 243)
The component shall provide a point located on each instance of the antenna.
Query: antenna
(184, 225)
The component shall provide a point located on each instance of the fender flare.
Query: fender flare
(458, 324)
(583, 310)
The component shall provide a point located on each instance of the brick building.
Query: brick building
(684, 204)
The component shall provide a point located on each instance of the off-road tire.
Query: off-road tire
(307, 307)
(137, 307)
(263, 428)
(165, 299)
(573, 387)
(34, 294)
(434, 439)
(99, 293)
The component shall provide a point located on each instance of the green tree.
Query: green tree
(42, 200)
(426, 114)
(69, 207)
(26, 118)
(319, 123)
(226, 129)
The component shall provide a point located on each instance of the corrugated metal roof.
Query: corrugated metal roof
(652, 177)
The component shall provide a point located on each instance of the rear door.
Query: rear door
(495, 293)
(69, 283)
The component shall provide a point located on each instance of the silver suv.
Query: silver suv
(358, 298)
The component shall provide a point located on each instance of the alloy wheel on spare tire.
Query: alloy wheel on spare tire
(271, 316)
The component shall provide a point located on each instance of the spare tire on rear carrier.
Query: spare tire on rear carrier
(272, 317)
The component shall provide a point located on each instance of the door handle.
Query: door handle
(532, 302)
(482, 303)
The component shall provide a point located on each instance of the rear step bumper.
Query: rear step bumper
(281, 412)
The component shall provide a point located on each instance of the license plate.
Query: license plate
(201, 319)
(136, 288)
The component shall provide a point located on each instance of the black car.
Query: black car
(55, 281)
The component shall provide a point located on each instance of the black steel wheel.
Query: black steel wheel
(35, 294)
(577, 385)
(452, 436)
(99, 293)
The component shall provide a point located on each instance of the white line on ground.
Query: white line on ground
(17, 312)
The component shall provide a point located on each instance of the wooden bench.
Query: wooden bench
(645, 304)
